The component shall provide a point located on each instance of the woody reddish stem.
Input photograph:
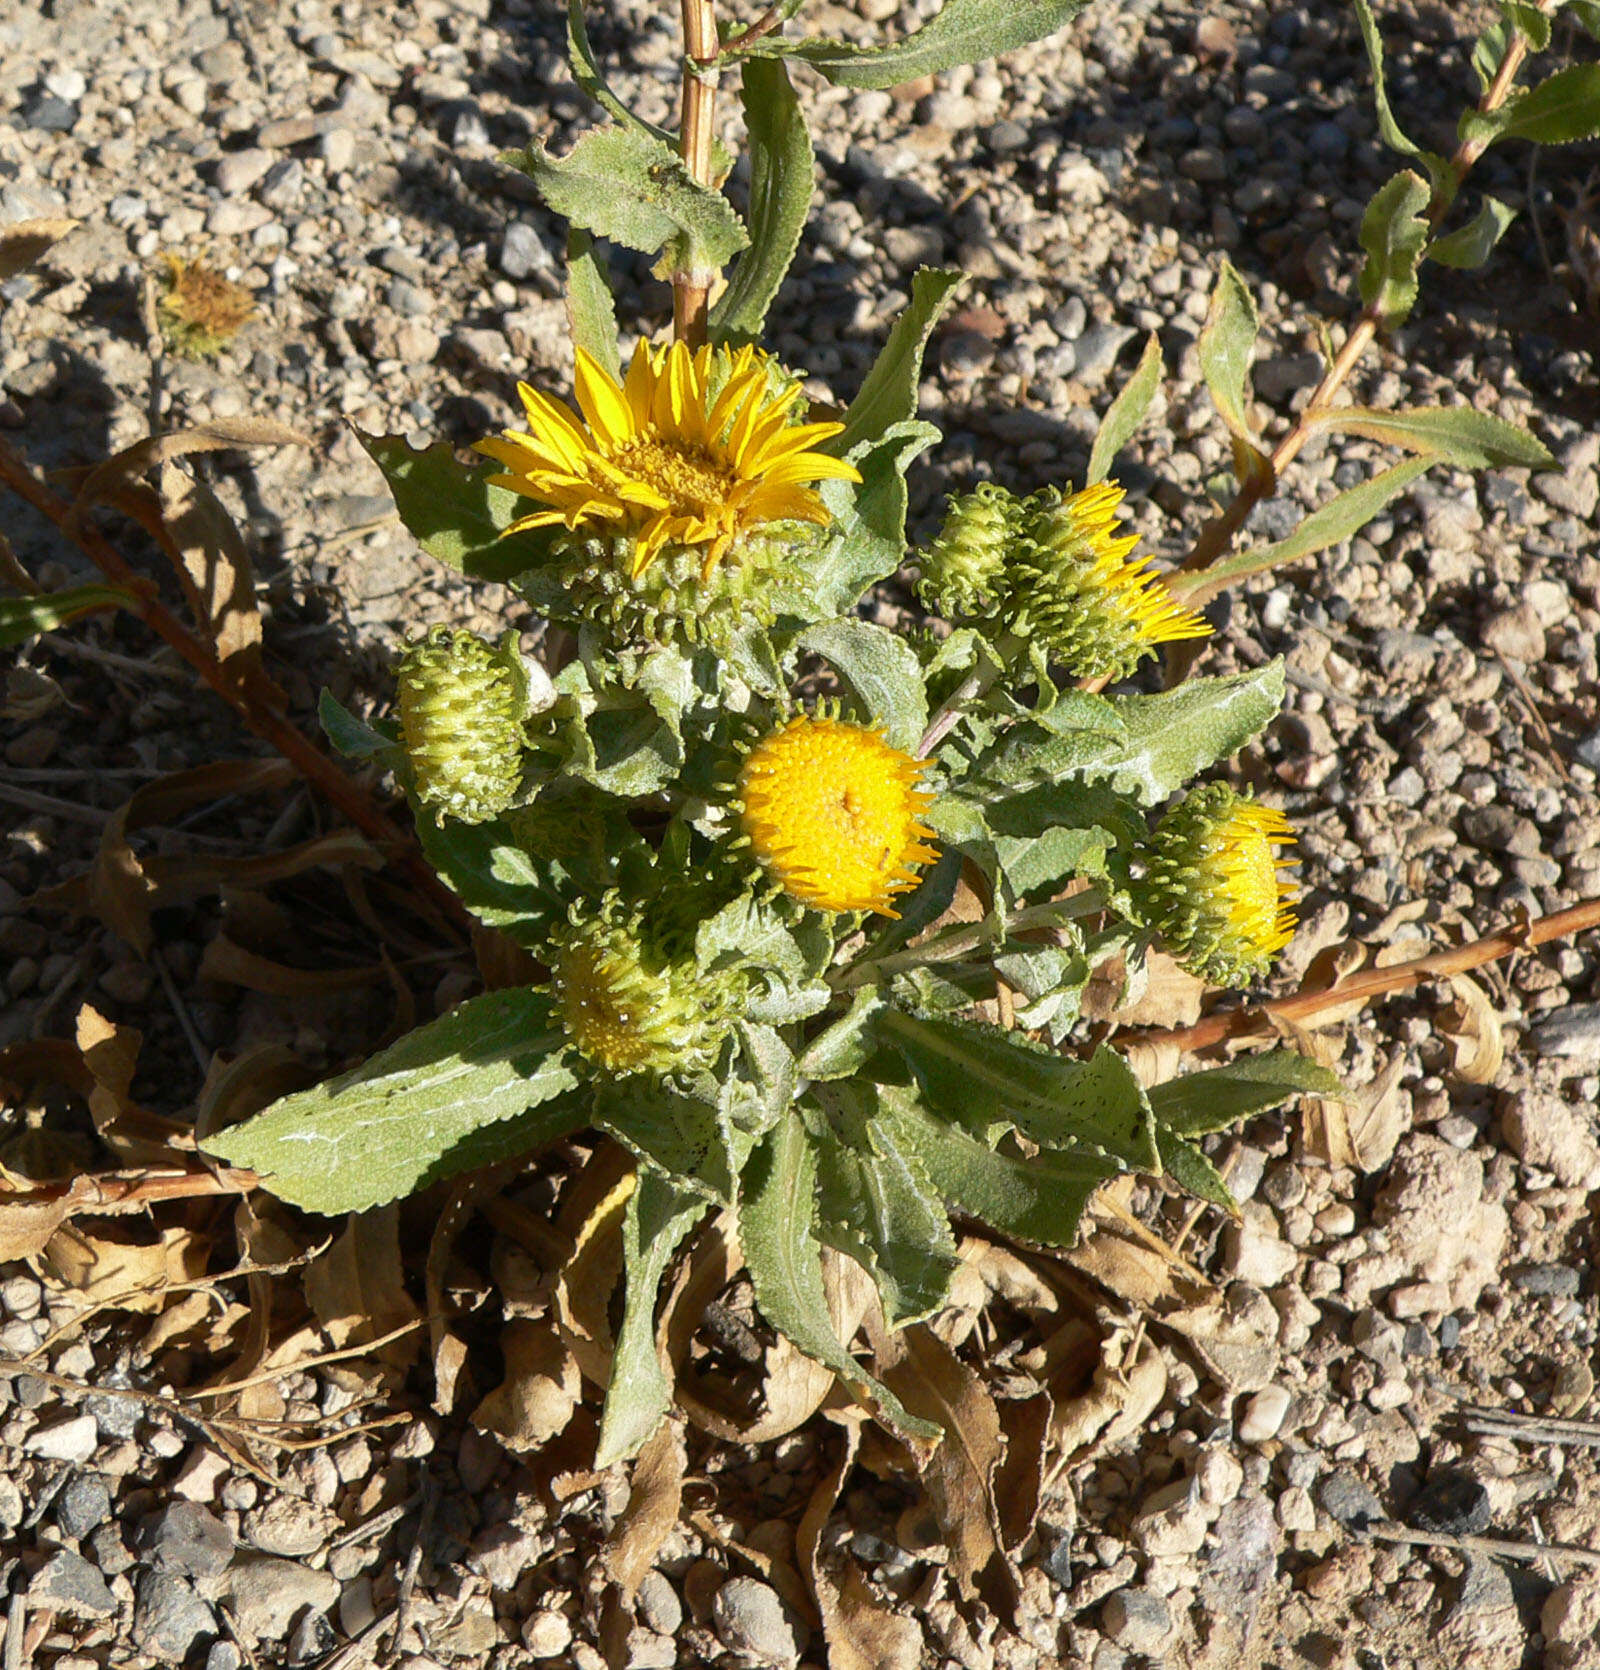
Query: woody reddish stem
(691, 291)
(1381, 982)
(1216, 537)
(252, 706)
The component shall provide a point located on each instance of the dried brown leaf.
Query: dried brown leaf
(651, 1515)
(541, 1389)
(357, 1290)
(125, 1274)
(26, 1226)
(1121, 1398)
(24, 241)
(134, 1134)
(229, 963)
(1167, 995)
(1472, 1024)
(861, 1633)
(591, 1214)
(933, 1382)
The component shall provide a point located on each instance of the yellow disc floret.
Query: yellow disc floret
(834, 813)
(1214, 888)
(694, 448)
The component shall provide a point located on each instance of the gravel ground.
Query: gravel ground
(1428, 1257)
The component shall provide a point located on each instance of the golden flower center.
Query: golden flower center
(834, 814)
(688, 477)
(606, 1004)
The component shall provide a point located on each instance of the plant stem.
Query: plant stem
(1365, 988)
(253, 706)
(1216, 538)
(691, 291)
(977, 683)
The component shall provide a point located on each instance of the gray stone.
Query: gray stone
(269, 1595)
(751, 1618)
(84, 1503)
(239, 170)
(1516, 633)
(1451, 1502)
(72, 1440)
(1572, 1033)
(1577, 492)
(169, 1618)
(68, 1583)
(1349, 1499)
(1098, 348)
(522, 252)
(1547, 1281)
(1485, 1586)
(659, 1605)
(51, 115)
(1172, 1520)
(1279, 375)
(187, 1538)
(1138, 1620)
(224, 1656)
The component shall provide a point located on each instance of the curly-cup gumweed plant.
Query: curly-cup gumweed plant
(732, 827)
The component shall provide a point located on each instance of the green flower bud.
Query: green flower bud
(1212, 887)
(462, 706)
(631, 996)
(964, 569)
(1079, 597)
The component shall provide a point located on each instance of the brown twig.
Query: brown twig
(257, 712)
(691, 290)
(128, 1191)
(1216, 538)
(1380, 982)
(1503, 1547)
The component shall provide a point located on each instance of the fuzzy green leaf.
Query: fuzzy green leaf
(1559, 111)
(1439, 171)
(877, 1205)
(22, 618)
(350, 736)
(777, 1232)
(782, 170)
(1586, 14)
(591, 311)
(868, 539)
(414, 1113)
(1040, 1198)
(453, 512)
(1161, 743)
(657, 1217)
(983, 1077)
(889, 394)
(621, 184)
(1529, 22)
(496, 878)
(1470, 245)
(1188, 1167)
(881, 671)
(1126, 412)
(683, 1135)
(1488, 54)
(841, 1049)
(1394, 233)
(587, 73)
(1053, 831)
(1341, 518)
(1198, 1103)
(1459, 435)
(1227, 345)
(963, 32)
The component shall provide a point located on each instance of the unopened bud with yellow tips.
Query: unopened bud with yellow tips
(1080, 597)
(463, 702)
(1213, 887)
(632, 998)
(964, 571)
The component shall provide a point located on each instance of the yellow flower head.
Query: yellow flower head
(834, 813)
(1080, 596)
(631, 1005)
(693, 449)
(1214, 887)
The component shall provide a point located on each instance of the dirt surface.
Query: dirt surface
(1282, 1456)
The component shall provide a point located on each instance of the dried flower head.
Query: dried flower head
(695, 448)
(631, 1000)
(199, 311)
(834, 813)
(462, 706)
(1214, 888)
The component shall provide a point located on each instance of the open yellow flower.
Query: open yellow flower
(1214, 887)
(834, 813)
(694, 448)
